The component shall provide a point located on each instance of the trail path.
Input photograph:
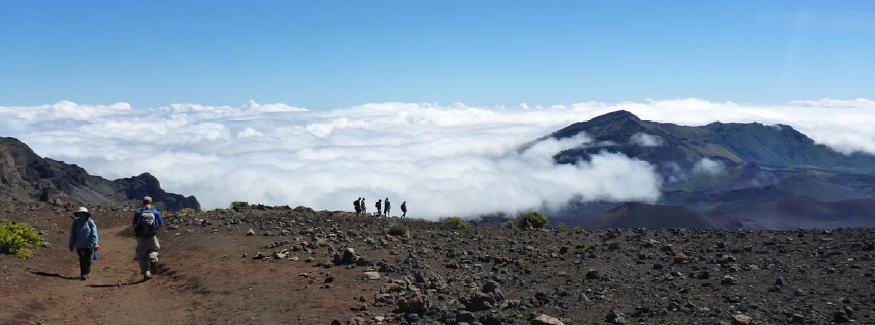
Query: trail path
(115, 293)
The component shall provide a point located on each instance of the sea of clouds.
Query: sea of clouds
(443, 160)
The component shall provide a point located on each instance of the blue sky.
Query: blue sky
(327, 54)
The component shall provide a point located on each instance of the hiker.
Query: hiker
(146, 223)
(404, 209)
(83, 237)
(358, 206)
(379, 205)
(386, 206)
(364, 206)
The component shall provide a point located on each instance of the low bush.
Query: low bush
(397, 229)
(577, 230)
(18, 239)
(510, 225)
(187, 211)
(457, 223)
(563, 228)
(532, 220)
(239, 204)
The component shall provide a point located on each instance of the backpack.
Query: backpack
(90, 225)
(146, 224)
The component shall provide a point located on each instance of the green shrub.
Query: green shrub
(577, 230)
(239, 204)
(457, 223)
(18, 239)
(510, 225)
(563, 228)
(532, 220)
(187, 211)
(397, 229)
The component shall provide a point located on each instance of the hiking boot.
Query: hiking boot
(153, 265)
(147, 276)
(84, 277)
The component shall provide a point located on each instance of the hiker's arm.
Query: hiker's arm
(95, 241)
(158, 219)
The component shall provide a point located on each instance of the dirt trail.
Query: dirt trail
(114, 294)
(202, 279)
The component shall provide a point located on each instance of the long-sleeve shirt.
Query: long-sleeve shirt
(158, 220)
(83, 235)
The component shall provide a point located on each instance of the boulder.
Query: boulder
(372, 275)
(543, 319)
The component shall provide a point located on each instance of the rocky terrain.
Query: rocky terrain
(25, 176)
(278, 265)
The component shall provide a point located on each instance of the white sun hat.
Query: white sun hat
(81, 211)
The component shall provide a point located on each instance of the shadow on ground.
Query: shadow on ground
(114, 285)
(55, 275)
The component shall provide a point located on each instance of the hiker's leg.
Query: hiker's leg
(142, 254)
(87, 253)
(82, 261)
(154, 248)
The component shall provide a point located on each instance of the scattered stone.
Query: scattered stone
(681, 258)
(372, 275)
(841, 316)
(543, 319)
(593, 275)
(740, 319)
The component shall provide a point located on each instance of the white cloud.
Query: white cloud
(826, 102)
(277, 107)
(709, 167)
(249, 132)
(457, 160)
(646, 140)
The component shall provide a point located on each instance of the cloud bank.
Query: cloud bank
(443, 160)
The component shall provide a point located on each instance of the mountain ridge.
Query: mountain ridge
(778, 146)
(28, 177)
(720, 170)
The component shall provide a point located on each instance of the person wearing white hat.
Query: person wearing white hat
(84, 239)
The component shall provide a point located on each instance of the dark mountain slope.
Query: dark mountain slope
(25, 176)
(640, 215)
(800, 212)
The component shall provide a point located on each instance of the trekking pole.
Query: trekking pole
(95, 256)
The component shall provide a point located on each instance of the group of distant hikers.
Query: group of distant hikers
(383, 207)
(146, 222)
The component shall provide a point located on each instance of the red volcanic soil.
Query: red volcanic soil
(211, 272)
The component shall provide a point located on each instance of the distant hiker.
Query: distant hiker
(364, 206)
(358, 206)
(379, 206)
(83, 237)
(404, 209)
(387, 206)
(146, 223)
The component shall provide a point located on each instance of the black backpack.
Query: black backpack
(147, 223)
